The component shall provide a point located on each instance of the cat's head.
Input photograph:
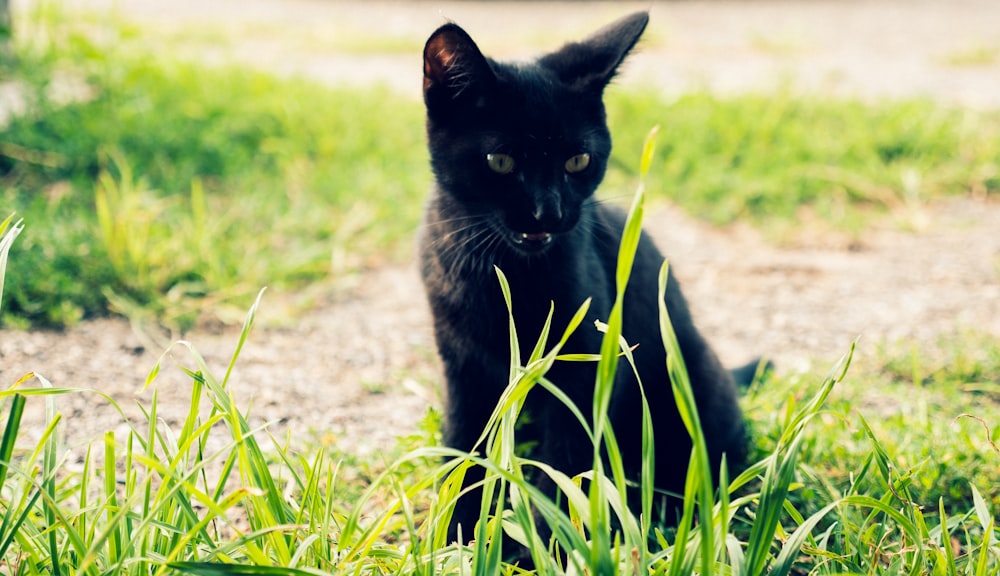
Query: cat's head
(522, 145)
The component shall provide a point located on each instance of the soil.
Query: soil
(360, 368)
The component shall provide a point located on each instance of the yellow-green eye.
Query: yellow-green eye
(500, 163)
(578, 163)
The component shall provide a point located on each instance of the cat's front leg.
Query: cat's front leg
(560, 439)
(472, 396)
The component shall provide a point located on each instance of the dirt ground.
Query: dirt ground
(361, 367)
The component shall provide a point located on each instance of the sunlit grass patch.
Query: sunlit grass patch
(175, 188)
(932, 408)
(321, 38)
(770, 158)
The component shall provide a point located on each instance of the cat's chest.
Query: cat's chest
(534, 294)
(535, 297)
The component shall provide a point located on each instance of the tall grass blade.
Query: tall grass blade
(7, 235)
(789, 554)
(600, 559)
(515, 348)
(946, 544)
(648, 153)
(110, 505)
(244, 333)
(49, 478)
(699, 482)
(11, 522)
(835, 376)
(10, 432)
(983, 560)
(982, 510)
(777, 479)
(723, 515)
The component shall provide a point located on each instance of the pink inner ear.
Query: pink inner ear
(438, 60)
(445, 56)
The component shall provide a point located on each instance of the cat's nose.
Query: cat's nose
(548, 210)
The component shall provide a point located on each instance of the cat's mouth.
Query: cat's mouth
(543, 237)
(531, 241)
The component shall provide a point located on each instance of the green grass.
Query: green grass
(928, 405)
(767, 159)
(168, 187)
(323, 38)
(838, 486)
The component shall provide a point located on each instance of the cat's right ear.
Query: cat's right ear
(453, 65)
(589, 65)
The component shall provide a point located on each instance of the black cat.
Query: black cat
(518, 151)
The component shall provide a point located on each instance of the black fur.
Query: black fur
(540, 224)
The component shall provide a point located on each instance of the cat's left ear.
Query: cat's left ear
(452, 65)
(589, 65)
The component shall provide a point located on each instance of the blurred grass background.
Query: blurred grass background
(169, 189)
